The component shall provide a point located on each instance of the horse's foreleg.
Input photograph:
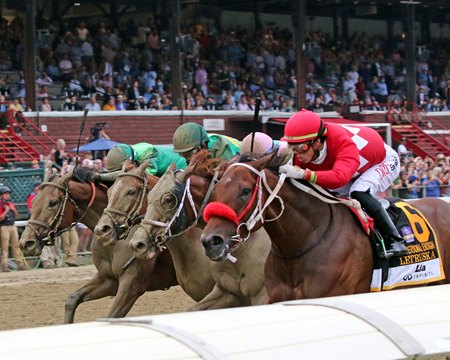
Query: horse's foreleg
(98, 287)
(261, 298)
(131, 287)
(218, 299)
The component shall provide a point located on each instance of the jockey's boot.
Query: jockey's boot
(395, 245)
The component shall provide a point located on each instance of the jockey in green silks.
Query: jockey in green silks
(191, 137)
(160, 156)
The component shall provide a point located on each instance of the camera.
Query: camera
(95, 131)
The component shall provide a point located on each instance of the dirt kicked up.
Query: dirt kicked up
(36, 298)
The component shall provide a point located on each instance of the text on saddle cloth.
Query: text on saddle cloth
(422, 264)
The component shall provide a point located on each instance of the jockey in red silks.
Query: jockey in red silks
(351, 160)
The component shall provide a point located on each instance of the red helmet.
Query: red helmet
(304, 126)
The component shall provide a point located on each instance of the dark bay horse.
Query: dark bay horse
(318, 250)
(173, 206)
(64, 200)
(127, 197)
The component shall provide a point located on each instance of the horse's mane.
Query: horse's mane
(275, 161)
(81, 174)
(203, 165)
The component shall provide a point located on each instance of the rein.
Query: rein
(162, 239)
(53, 233)
(132, 217)
(226, 212)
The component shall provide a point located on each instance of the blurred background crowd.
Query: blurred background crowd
(128, 68)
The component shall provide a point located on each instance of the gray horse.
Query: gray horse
(125, 197)
(172, 206)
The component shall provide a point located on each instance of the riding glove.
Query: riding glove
(294, 172)
(95, 177)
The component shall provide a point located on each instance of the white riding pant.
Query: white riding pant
(377, 178)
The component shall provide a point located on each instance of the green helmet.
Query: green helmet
(189, 136)
(117, 156)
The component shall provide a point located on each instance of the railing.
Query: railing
(13, 124)
(421, 190)
(416, 118)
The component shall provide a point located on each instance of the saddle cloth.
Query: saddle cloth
(422, 264)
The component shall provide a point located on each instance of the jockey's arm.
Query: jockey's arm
(108, 177)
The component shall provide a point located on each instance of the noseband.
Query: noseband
(162, 238)
(132, 217)
(52, 228)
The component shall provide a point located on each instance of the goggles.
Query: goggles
(188, 154)
(301, 148)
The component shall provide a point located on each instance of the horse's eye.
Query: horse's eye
(246, 191)
(53, 203)
(131, 192)
(168, 201)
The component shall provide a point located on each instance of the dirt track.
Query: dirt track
(36, 298)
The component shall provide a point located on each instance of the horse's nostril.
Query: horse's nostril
(102, 229)
(216, 240)
(140, 246)
(30, 245)
(212, 241)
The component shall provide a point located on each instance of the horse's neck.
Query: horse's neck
(198, 187)
(303, 219)
(95, 211)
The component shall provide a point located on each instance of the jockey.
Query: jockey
(191, 137)
(264, 144)
(160, 157)
(350, 160)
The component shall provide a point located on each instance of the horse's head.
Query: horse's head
(173, 203)
(126, 201)
(54, 209)
(164, 216)
(237, 209)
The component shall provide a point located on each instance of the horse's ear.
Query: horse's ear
(126, 164)
(198, 160)
(222, 167)
(143, 166)
(186, 173)
(265, 161)
(48, 174)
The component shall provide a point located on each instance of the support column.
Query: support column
(30, 54)
(335, 24)
(344, 24)
(258, 11)
(299, 24)
(174, 24)
(410, 56)
(390, 31)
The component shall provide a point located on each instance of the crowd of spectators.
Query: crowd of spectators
(128, 68)
(422, 177)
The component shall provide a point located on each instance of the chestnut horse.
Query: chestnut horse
(318, 249)
(173, 205)
(126, 196)
(64, 200)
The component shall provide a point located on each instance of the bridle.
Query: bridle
(52, 227)
(162, 238)
(132, 217)
(224, 211)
